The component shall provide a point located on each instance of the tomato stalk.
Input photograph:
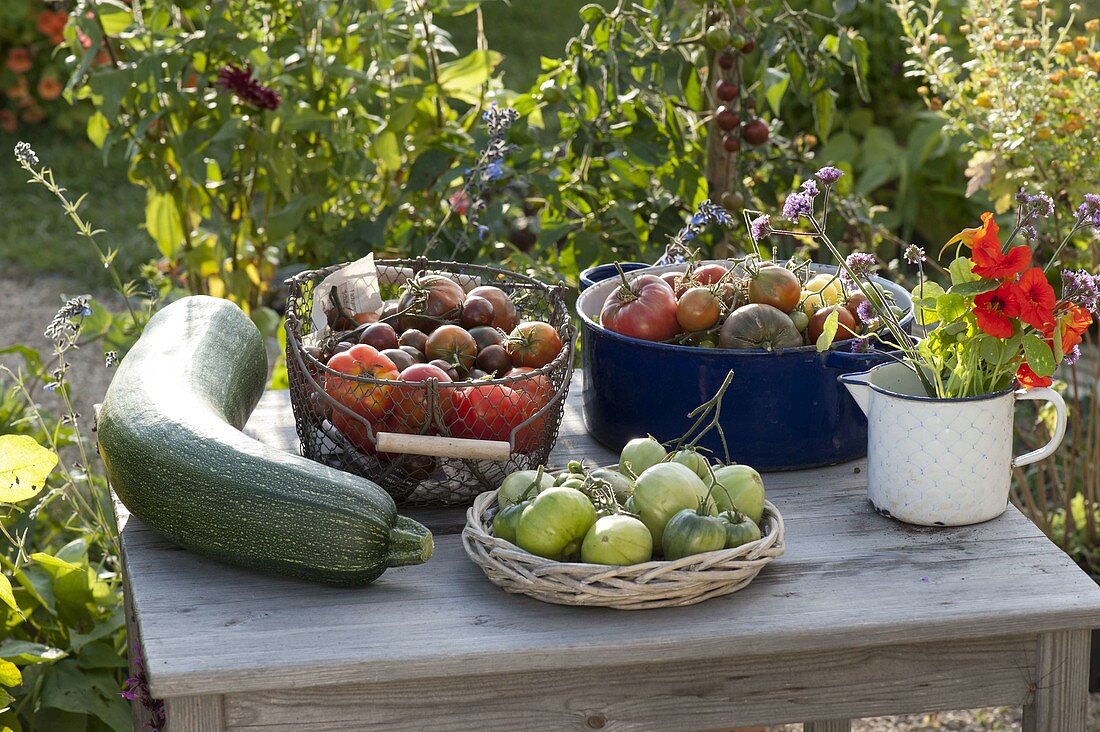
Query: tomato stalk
(707, 416)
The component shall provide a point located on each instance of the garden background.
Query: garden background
(225, 145)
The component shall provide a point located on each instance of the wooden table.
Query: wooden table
(862, 616)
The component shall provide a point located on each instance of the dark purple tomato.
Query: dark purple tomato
(379, 335)
(494, 360)
(418, 339)
(401, 359)
(485, 336)
(476, 311)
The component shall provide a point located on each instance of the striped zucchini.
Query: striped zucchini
(170, 437)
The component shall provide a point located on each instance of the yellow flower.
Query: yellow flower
(984, 100)
(983, 22)
(1065, 48)
(1029, 4)
(1092, 26)
(1075, 72)
(1081, 43)
(1002, 45)
(993, 72)
(1044, 133)
(1057, 76)
(1031, 44)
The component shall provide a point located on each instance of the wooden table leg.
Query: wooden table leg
(1059, 686)
(828, 725)
(194, 713)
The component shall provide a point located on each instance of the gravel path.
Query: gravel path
(29, 303)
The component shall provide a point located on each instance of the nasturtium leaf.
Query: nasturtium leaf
(961, 271)
(975, 287)
(922, 294)
(828, 332)
(1039, 356)
(24, 467)
(951, 306)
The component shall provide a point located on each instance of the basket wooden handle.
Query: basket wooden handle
(435, 446)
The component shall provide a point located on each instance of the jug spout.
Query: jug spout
(858, 386)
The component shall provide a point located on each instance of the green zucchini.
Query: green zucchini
(170, 438)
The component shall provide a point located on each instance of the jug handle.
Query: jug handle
(1044, 394)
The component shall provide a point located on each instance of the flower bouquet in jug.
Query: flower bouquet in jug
(940, 415)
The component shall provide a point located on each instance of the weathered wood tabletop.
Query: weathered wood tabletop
(862, 616)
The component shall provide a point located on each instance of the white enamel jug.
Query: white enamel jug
(941, 462)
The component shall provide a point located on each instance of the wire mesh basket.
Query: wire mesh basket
(429, 442)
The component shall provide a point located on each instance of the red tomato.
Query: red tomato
(487, 412)
(372, 401)
(504, 310)
(533, 343)
(538, 387)
(675, 280)
(410, 403)
(644, 308)
(356, 433)
(775, 286)
(453, 344)
(709, 274)
(846, 324)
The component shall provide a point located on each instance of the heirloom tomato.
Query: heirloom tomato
(453, 344)
(698, 309)
(410, 403)
(759, 326)
(640, 454)
(740, 488)
(776, 286)
(490, 412)
(690, 532)
(504, 310)
(372, 401)
(617, 540)
(516, 486)
(709, 274)
(740, 529)
(846, 324)
(665, 489)
(533, 343)
(644, 307)
(555, 523)
(428, 301)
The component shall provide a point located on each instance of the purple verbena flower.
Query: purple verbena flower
(249, 91)
(914, 254)
(1088, 213)
(760, 227)
(861, 345)
(1073, 356)
(829, 175)
(865, 312)
(797, 205)
(857, 264)
(810, 187)
(1081, 288)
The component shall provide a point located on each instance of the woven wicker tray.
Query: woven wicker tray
(636, 587)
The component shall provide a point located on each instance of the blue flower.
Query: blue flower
(52, 385)
(494, 170)
(482, 231)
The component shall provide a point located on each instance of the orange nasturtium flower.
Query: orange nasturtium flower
(1029, 378)
(995, 310)
(989, 261)
(1072, 324)
(1036, 298)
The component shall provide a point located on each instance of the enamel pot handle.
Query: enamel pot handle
(1044, 394)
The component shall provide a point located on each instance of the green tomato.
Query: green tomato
(740, 529)
(617, 540)
(555, 523)
(662, 491)
(573, 483)
(718, 37)
(640, 454)
(694, 460)
(628, 504)
(800, 319)
(514, 487)
(622, 485)
(506, 521)
(689, 533)
(740, 488)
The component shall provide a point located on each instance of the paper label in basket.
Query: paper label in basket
(356, 287)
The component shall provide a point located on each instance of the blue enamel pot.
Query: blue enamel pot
(782, 411)
(602, 272)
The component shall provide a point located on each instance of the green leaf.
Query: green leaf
(70, 688)
(114, 19)
(824, 111)
(98, 129)
(24, 467)
(468, 73)
(926, 311)
(22, 652)
(7, 596)
(775, 86)
(1039, 356)
(9, 674)
(960, 270)
(828, 332)
(951, 306)
(162, 220)
(974, 287)
(387, 151)
(998, 352)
